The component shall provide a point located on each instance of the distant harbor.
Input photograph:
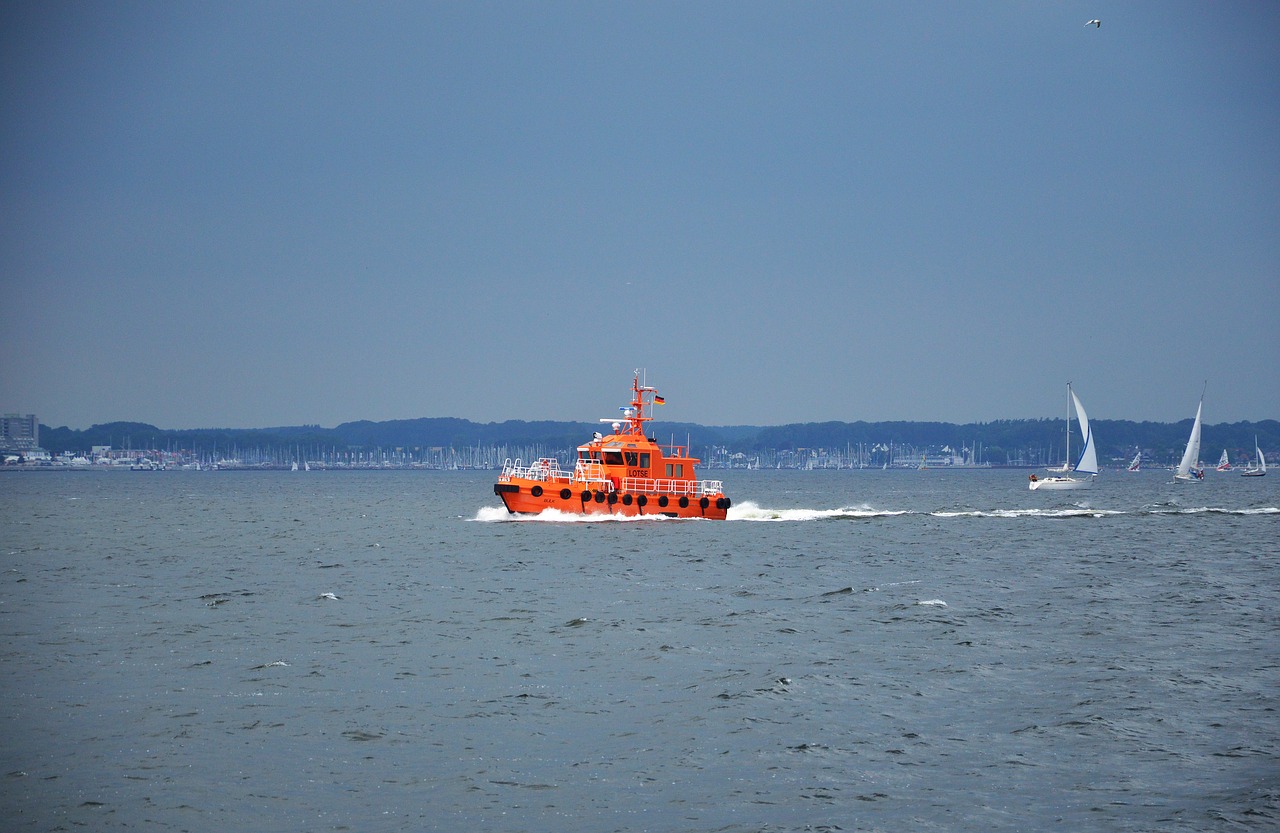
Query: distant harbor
(448, 444)
(885, 456)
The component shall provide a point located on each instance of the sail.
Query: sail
(1224, 464)
(1192, 454)
(1262, 461)
(1088, 462)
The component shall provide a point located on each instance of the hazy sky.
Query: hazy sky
(257, 214)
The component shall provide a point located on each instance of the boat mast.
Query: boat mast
(1066, 461)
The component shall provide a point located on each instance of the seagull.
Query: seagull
(1097, 24)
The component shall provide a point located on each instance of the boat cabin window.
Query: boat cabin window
(676, 470)
(633, 459)
(644, 459)
(613, 458)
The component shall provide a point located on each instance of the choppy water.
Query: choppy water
(925, 651)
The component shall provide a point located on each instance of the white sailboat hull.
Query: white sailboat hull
(1256, 470)
(1188, 471)
(1088, 462)
(1059, 483)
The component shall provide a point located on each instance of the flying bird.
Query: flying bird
(1097, 24)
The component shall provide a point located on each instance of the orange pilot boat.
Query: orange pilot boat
(624, 473)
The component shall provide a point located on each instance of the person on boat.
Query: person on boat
(1034, 478)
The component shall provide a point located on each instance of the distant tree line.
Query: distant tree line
(999, 442)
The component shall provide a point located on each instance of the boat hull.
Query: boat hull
(1059, 484)
(532, 497)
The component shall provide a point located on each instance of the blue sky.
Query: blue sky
(258, 214)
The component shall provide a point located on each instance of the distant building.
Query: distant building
(19, 433)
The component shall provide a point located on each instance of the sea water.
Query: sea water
(852, 650)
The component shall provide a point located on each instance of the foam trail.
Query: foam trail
(497, 514)
(1214, 510)
(749, 511)
(1082, 512)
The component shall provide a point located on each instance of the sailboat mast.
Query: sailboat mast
(1066, 461)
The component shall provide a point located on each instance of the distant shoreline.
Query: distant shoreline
(33, 468)
(449, 443)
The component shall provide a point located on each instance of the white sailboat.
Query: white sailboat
(1088, 462)
(1223, 463)
(1136, 464)
(1256, 470)
(1187, 471)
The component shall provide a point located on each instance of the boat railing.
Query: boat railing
(546, 468)
(591, 474)
(666, 486)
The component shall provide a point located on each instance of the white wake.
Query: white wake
(749, 511)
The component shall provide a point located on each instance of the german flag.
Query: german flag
(658, 400)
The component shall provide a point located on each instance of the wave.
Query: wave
(1210, 510)
(498, 514)
(749, 511)
(1077, 512)
(1092, 512)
